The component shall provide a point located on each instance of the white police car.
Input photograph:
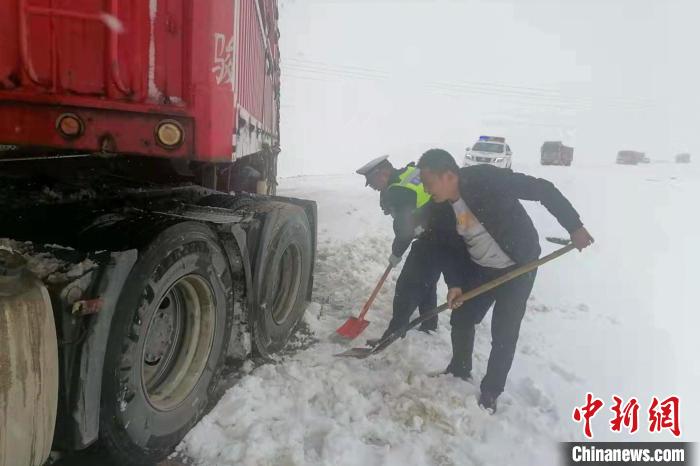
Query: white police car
(489, 149)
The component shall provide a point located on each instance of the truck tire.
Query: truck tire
(167, 344)
(282, 276)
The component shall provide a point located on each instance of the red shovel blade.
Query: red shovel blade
(352, 328)
(356, 325)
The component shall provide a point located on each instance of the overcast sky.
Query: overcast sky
(365, 78)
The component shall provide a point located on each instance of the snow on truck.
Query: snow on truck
(556, 153)
(489, 149)
(142, 137)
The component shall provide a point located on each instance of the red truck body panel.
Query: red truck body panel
(123, 66)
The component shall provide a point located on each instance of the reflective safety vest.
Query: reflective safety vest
(410, 179)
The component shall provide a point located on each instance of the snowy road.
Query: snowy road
(617, 319)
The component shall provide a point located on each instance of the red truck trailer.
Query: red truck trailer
(141, 138)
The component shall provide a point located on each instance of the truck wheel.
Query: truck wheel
(282, 277)
(167, 344)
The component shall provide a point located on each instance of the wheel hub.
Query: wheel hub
(178, 341)
(286, 284)
(164, 331)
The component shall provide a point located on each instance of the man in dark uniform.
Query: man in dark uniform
(492, 234)
(402, 196)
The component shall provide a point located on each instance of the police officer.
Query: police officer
(402, 196)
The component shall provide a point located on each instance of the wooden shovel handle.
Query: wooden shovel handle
(515, 273)
(389, 339)
(369, 302)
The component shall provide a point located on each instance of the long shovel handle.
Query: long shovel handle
(369, 302)
(389, 339)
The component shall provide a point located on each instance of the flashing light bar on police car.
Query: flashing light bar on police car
(492, 139)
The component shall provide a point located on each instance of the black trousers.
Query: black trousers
(509, 301)
(416, 285)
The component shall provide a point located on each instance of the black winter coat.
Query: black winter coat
(493, 195)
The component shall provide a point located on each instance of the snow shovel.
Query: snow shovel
(361, 353)
(354, 326)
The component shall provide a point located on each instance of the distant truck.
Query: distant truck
(630, 157)
(683, 158)
(556, 153)
(492, 150)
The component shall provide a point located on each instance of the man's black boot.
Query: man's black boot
(487, 401)
(459, 370)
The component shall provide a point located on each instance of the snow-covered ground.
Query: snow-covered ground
(615, 319)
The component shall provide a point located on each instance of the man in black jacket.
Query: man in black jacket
(402, 196)
(491, 234)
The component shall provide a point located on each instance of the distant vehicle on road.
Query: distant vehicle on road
(489, 149)
(683, 158)
(556, 153)
(630, 157)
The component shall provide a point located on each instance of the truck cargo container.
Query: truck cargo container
(138, 145)
(630, 157)
(556, 153)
